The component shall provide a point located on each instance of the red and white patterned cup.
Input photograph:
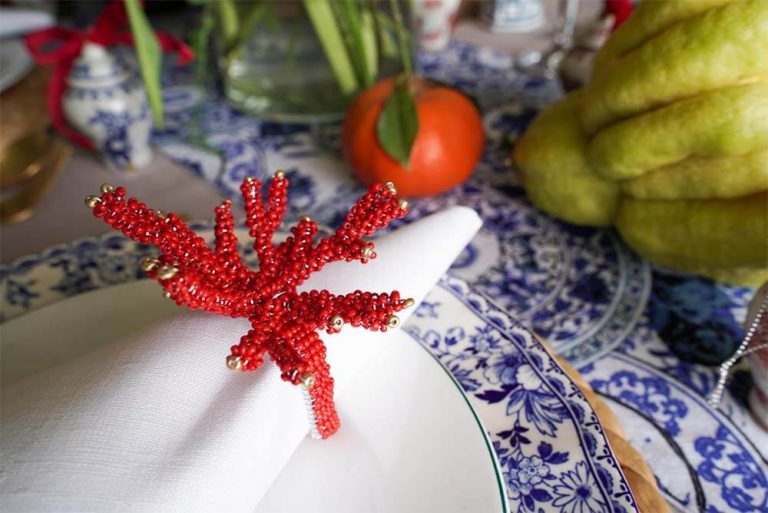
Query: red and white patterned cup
(434, 22)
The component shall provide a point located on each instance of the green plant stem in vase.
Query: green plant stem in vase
(288, 60)
(303, 61)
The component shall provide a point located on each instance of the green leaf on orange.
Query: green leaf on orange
(398, 124)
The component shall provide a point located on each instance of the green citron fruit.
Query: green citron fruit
(648, 20)
(669, 140)
(555, 172)
(714, 235)
(703, 177)
(725, 239)
(713, 49)
(731, 121)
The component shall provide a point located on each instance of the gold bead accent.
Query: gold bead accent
(280, 174)
(306, 219)
(250, 179)
(160, 214)
(367, 252)
(166, 294)
(167, 272)
(391, 187)
(92, 201)
(336, 322)
(105, 188)
(148, 264)
(402, 203)
(234, 362)
(307, 380)
(393, 321)
(408, 303)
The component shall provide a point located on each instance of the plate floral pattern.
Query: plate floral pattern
(661, 402)
(551, 447)
(704, 461)
(70, 269)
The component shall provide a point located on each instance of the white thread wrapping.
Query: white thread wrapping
(309, 405)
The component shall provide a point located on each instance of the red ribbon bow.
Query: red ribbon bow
(61, 46)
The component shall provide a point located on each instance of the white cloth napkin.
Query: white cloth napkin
(155, 422)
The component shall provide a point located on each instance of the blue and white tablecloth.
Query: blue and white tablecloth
(634, 332)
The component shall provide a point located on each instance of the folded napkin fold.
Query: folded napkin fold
(155, 421)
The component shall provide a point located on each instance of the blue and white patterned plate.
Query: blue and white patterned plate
(70, 269)
(552, 449)
(705, 462)
(553, 452)
(705, 459)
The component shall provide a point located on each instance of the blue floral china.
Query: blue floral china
(106, 102)
(705, 459)
(552, 449)
(70, 269)
(648, 346)
(702, 460)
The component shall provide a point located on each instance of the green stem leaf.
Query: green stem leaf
(149, 57)
(398, 123)
(402, 37)
(369, 44)
(199, 40)
(386, 28)
(321, 15)
(230, 23)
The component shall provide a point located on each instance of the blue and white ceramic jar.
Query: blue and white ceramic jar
(107, 103)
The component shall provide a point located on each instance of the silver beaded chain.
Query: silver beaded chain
(717, 393)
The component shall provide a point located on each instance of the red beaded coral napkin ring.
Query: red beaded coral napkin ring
(284, 322)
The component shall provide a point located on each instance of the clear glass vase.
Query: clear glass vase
(281, 73)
